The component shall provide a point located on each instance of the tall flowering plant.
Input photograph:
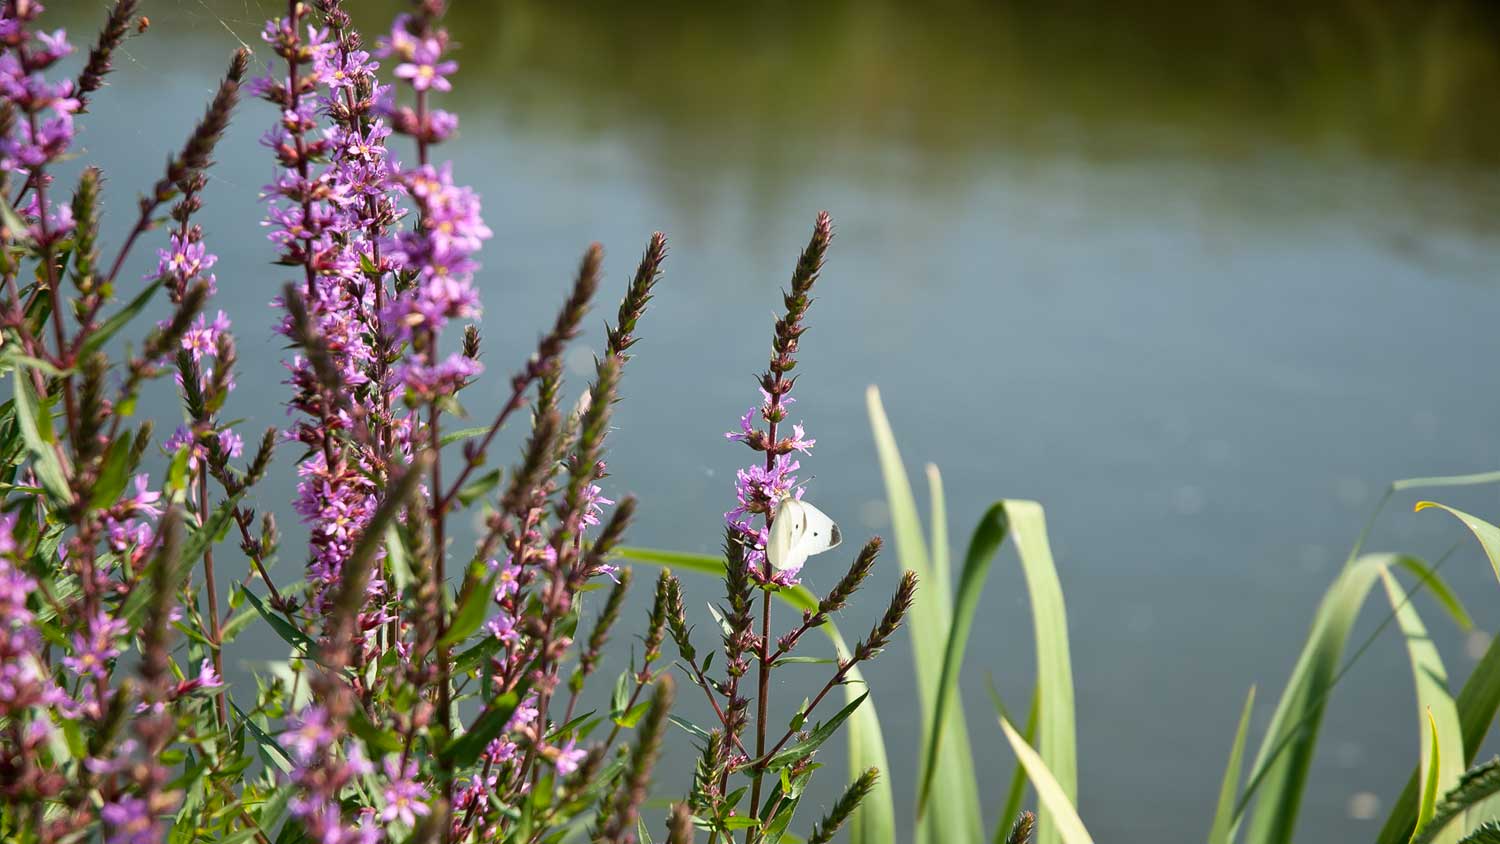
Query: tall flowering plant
(743, 757)
(417, 709)
(113, 717)
(432, 692)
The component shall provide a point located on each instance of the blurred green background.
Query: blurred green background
(1201, 278)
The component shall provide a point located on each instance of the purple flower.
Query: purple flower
(568, 757)
(130, 822)
(424, 72)
(503, 628)
(309, 735)
(443, 379)
(404, 797)
(203, 337)
(594, 504)
(340, 70)
(96, 648)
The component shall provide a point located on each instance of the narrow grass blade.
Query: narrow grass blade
(988, 535)
(1049, 791)
(1281, 765)
(874, 822)
(1016, 793)
(1478, 701)
(1223, 825)
(1433, 763)
(1443, 744)
(941, 570)
(1487, 534)
(958, 817)
(1441, 591)
(1054, 674)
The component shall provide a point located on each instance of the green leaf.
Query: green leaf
(464, 750)
(823, 732)
(988, 535)
(471, 611)
(476, 655)
(1440, 590)
(1477, 703)
(958, 818)
(200, 539)
(633, 716)
(1220, 832)
(1432, 761)
(806, 660)
(463, 434)
(1281, 764)
(378, 741)
(1442, 762)
(1049, 791)
(397, 560)
(1487, 534)
(479, 487)
(1016, 793)
(281, 759)
(18, 230)
(1054, 675)
(110, 327)
(289, 634)
(621, 697)
(36, 431)
(113, 474)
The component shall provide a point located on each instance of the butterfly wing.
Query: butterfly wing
(783, 548)
(819, 533)
(799, 531)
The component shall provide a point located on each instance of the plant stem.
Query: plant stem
(215, 634)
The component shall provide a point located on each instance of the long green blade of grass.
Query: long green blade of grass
(1016, 793)
(1442, 736)
(874, 822)
(988, 535)
(939, 527)
(1220, 832)
(957, 818)
(1430, 782)
(1049, 791)
(1477, 704)
(1054, 672)
(1287, 730)
(1487, 534)
(1281, 765)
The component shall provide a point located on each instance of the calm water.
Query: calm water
(1202, 285)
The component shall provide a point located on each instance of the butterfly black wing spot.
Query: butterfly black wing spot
(835, 537)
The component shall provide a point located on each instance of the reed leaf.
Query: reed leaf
(958, 817)
(1281, 764)
(1049, 791)
(1221, 830)
(1442, 756)
(1016, 793)
(988, 535)
(1487, 534)
(1477, 703)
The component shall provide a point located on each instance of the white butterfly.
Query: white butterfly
(799, 531)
